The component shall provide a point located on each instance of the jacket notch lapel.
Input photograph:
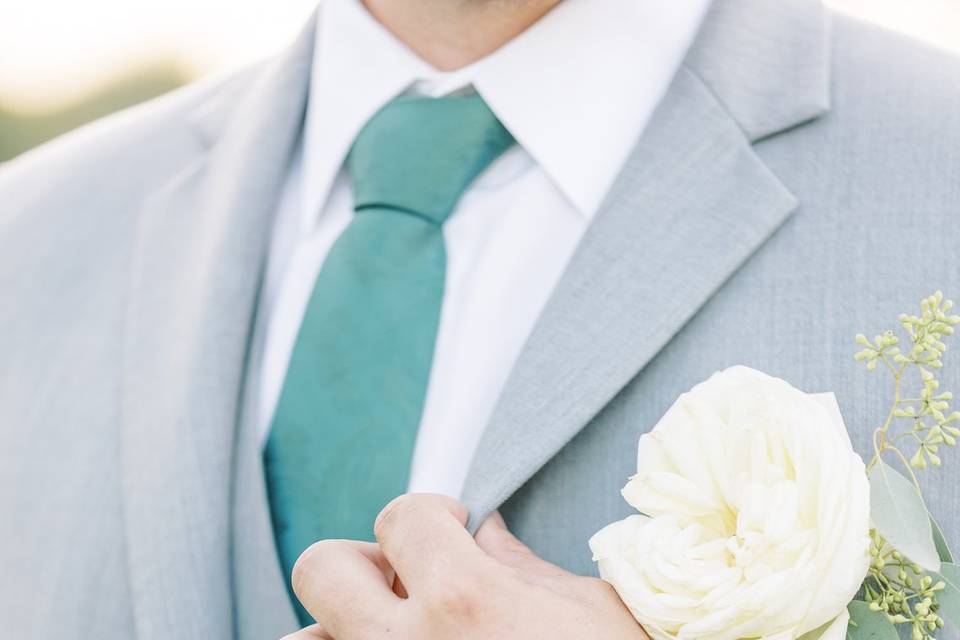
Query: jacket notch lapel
(693, 202)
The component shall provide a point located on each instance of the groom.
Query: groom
(466, 248)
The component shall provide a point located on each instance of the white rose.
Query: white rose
(755, 516)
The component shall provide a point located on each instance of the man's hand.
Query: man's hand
(428, 578)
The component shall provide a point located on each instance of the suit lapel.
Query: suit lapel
(263, 608)
(194, 280)
(692, 204)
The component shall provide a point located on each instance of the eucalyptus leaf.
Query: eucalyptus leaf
(869, 625)
(941, 543)
(898, 513)
(949, 598)
(821, 631)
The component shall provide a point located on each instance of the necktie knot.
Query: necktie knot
(418, 154)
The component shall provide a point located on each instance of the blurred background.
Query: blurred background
(63, 63)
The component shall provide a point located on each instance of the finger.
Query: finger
(424, 538)
(496, 540)
(313, 632)
(346, 587)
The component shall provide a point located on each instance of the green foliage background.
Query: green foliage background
(22, 131)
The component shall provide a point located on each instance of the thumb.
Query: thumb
(495, 539)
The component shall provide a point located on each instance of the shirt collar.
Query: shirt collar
(575, 89)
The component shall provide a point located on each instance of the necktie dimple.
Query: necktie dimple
(342, 436)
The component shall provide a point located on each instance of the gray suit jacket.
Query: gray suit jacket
(799, 183)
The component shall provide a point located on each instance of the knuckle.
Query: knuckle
(411, 508)
(399, 508)
(312, 562)
(597, 588)
(464, 595)
(454, 598)
(390, 513)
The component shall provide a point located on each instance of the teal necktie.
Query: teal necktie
(342, 437)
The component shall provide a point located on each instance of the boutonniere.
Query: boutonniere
(757, 519)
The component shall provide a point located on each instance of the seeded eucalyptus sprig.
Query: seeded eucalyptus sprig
(897, 588)
(927, 415)
(901, 590)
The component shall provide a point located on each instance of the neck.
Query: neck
(450, 34)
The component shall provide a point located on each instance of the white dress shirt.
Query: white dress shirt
(576, 89)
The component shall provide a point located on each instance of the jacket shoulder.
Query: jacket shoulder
(71, 208)
(885, 153)
(892, 125)
(125, 152)
(874, 62)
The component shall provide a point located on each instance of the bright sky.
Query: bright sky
(52, 51)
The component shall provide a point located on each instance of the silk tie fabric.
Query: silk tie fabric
(342, 437)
